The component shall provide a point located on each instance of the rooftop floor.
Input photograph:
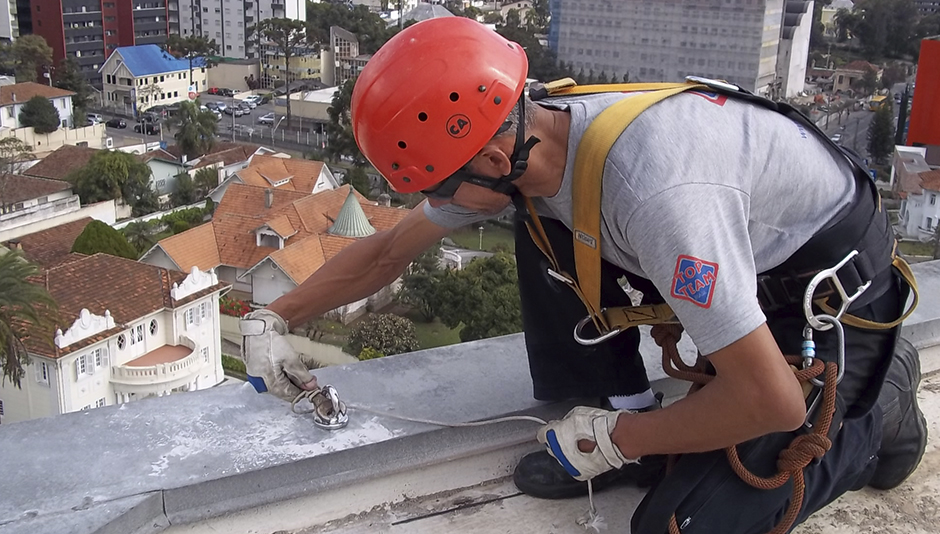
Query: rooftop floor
(230, 460)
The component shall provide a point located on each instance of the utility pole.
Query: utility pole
(902, 117)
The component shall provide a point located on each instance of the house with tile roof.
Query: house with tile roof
(267, 241)
(29, 204)
(155, 332)
(12, 98)
(847, 75)
(57, 165)
(143, 76)
(275, 170)
(919, 215)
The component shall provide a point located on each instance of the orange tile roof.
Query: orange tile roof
(282, 225)
(242, 211)
(158, 154)
(299, 261)
(61, 161)
(195, 246)
(229, 156)
(18, 188)
(21, 92)
(51, 247)
(265, 171)
(220, 146)
(859, 66)
(930, 180)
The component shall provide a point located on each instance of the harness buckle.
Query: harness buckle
(560, 277)
(847, 300)
(592, 341)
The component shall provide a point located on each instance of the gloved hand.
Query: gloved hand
(271, 362)
(594, 424)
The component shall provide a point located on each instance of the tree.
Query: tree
(846, 23)
(185, 193)
(69, 76)
(114, 175)
(27, 313)
(147, 96)
(483, 297)
(339, 129)
(139, 235)
(205, 180)
(369, 28)
(190, 48)
(195, 129)
(13, 154)
(385, 333)
(30, 53)
(867, 83)
(287, 35)
(39, 113)
(881, 133)
(419, 284)
(99, 237)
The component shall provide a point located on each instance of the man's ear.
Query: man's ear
(493, 158)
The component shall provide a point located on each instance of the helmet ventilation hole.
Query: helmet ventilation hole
(429, 168)
(402, 144)
(422, 116)
(454, 97)
(497, 100)
(405, 179)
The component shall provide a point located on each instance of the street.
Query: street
(854, 126)
(230, 128)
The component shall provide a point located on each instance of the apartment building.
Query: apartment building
(228, 21)
(9, 20)
(90, 30)
(734, 40)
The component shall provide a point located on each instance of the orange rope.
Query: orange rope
(792, 460)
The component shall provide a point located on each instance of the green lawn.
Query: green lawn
(493, 236)
(916, 248)
(433, 334)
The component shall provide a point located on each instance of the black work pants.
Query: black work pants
(703, 491)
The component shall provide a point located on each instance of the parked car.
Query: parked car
(116, 123)
(253, 101)
(267, 118)
(220, 106)
(226, 92)
(212, 105)
(148, 128)
(95, 118)
(245, 107)
(213, 91)
(836, 138)
(233, 110)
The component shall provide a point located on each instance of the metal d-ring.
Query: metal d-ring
(337, 417)
(847, 300)
(592, 341)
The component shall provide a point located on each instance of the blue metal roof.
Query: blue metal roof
(146, 60)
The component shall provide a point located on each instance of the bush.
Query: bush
(368, 353)
(39, 113)
(99, 237)
(233, 307)
(179, 227)
(385, 333)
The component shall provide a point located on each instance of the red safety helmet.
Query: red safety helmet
(432, 97)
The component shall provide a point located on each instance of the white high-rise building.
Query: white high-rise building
(229, 21)
(733, 40)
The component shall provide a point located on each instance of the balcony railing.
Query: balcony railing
(161, 372)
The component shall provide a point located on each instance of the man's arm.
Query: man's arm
(753, 393)
(360, 269)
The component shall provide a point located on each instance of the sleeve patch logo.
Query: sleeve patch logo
(712, 97)
(695, 280)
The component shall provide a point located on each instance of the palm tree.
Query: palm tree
(140, 236)
(195, 129)
(27, 311)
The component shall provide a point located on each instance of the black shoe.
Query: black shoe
(539, 475)
(904, 428)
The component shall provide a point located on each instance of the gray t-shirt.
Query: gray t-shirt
(700, 194)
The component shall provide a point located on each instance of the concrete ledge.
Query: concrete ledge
(184, 459)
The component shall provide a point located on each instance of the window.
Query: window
(42, 373)
(99, 362)
(161, 184)
(99, 403)
(205, 354)
(161, 77)
(121, 342)
(1, 407)
(203, 311)
(189, 317)
(86, 408)
(933, 199)
(137, 334)
(153, 327)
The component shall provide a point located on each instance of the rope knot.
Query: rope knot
(664, 334)
(803, 450)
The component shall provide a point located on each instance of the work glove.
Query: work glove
(593, 424)
(271, 362)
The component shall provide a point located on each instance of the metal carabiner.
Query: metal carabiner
(840, 354)
(847, 300)
(592, 341)
(330, 412)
